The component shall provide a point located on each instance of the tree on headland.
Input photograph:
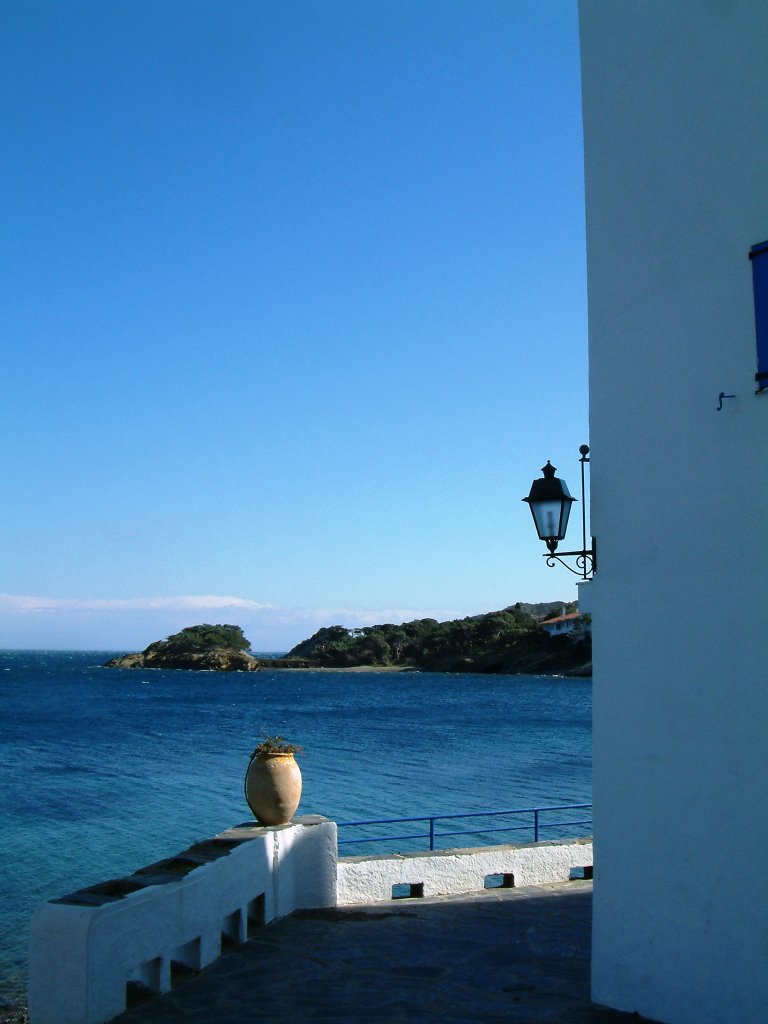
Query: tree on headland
(205, 637)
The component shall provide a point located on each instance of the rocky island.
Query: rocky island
(218, 648)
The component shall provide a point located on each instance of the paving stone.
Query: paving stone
(512, 955)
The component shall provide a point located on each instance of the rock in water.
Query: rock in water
(217, 660)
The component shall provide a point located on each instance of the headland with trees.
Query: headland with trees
(508, 641)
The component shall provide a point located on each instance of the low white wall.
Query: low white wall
(86, 947)
(444, 872)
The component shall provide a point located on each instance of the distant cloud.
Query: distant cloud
(17, 603)
(365, 616)
(214, 602)
(131, 623)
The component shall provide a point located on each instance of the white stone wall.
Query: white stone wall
(444, 872)
(82, 957)
(676, 157)
(87, 947)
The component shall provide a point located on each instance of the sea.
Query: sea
(106, 770)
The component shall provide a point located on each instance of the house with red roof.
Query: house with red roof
(566, 623)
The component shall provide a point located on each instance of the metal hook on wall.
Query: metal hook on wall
(720, 398)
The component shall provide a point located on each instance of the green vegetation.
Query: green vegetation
(199, 639)
(275, 745)
(509, 640)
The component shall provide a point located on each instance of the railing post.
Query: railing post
(536, 825)
(431, 833)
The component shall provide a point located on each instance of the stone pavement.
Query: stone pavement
(512, 955)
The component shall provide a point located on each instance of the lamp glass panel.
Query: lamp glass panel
(551, 518)
(566, 511)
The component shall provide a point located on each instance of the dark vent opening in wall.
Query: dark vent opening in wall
(503, 880)
(185, 962)
(143, 982)
(232, 931)
(408, 891)
(256, 915)
(181, 972)
(136, 994)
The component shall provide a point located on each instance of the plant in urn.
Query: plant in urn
(273, 781)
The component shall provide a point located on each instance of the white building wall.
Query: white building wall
(676, 150)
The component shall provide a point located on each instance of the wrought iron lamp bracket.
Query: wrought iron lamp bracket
(586, 561)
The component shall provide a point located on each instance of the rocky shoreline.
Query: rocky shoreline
(218, 660)
(226, 663)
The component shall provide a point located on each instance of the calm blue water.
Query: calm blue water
(106, 770)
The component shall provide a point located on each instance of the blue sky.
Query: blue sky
(294, 310)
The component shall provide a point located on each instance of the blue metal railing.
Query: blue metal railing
(535, 825)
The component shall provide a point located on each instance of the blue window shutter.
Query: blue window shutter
(758, 255)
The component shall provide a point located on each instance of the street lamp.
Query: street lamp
(550, 503)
